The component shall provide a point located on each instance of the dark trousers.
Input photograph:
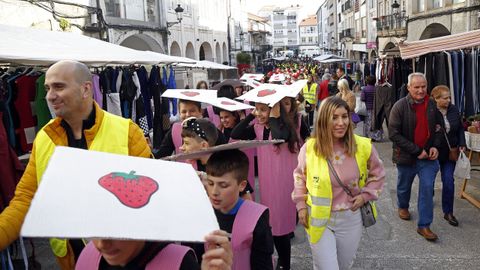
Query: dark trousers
(448, 186)
(384, 100)
(283, 247)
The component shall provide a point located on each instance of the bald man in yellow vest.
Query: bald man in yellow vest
(79, 123)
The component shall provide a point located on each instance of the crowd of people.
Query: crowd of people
(301, 180)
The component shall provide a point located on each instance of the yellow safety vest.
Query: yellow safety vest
(112, 137)
(319, 185)
(310, 94)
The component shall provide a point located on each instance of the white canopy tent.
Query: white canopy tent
(27, 46)
(327, 61)
(206, 65)
(323, 58)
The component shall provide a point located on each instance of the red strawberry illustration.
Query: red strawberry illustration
(256, 84)
(265, 92)
(252, 76)
(190, 93)
(227, 103)
(130, 189)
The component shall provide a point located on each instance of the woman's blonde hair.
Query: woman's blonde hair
(438, 90)
(324, 128)
(343, 85)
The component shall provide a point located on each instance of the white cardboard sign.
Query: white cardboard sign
(252, 83)
(296, 87)
(229, 146)
(205, 96)
(267, 94)
(251, 76)
(230, 104)
(277, 77)
(88, 194)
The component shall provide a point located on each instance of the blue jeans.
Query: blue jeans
(448, 185)
(427, 171)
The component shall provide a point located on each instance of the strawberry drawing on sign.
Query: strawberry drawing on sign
(130, 189)
(265, 92)
(227, 103)
(190, 93)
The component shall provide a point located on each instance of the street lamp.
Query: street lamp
(241, 40)
(399, 17)
(179, 13)
(395, 6)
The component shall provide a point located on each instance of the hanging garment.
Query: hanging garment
(113, 103)
(41, 105)
(384, 100)
(10, 109)
(440, 71)
(138, 111)
(172, 84)
(455, 78)
(97, 93)
(474, 79)
(430, 71)
(478, 71)
(10, 168)
(450, 77)
(469, 96)
(161, 118)
(26, 128)
(128, 90)
(147, 96)
(462, 80)
(106, 84)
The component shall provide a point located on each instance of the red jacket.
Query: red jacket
(323, 90)
(10, 168)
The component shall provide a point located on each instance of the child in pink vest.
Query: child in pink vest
(247, 221)
(173, 139)
(105, 254)
(228, 121)
(199, 134)
(275, 169)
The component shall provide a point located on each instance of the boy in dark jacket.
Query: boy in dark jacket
(247, 221)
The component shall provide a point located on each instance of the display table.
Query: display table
(473, 145)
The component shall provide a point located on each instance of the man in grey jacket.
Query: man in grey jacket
(414, 128)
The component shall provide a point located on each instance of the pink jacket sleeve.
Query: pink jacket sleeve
(299, 194)
(375, 179)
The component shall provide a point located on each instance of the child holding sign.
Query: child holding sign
(247, 221)
(275, 168)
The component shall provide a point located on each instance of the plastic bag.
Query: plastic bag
(462, 167)
(360, 106)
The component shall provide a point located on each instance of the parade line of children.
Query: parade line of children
(256, 228)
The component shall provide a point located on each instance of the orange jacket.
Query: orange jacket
(11, 219)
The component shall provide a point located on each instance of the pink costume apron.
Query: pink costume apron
(177, 136)
(275, 175)
(242, 233)
(214, 118)
(170, 257)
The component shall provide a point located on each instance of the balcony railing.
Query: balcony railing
(347, 33)
(392, 25)
(347, 6)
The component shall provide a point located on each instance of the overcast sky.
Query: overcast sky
(310, 7)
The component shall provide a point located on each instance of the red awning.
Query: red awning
(410, 49)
